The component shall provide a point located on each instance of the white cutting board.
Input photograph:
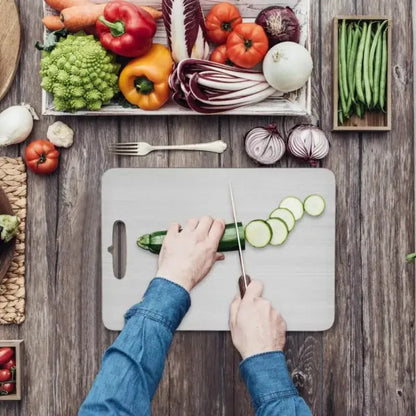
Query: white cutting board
(299, 276)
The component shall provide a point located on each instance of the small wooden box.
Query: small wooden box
(374, 120)
(17, 346)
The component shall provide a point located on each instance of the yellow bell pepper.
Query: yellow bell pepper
(144, 80)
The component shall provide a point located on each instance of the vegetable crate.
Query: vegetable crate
(291, 104)
(375, 120)
(17, 347)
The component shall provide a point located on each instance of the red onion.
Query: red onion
(280, 24)
(265, 144)
(308, 142)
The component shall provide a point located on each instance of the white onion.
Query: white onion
(287, 66)
(265, 144)
(16, 123)
(308, 142)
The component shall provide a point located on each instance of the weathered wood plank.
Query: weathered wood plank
(342, 345)
(387, 234)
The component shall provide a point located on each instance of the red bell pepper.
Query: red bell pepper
(126, 29)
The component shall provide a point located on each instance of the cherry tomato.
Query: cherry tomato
(10, 364)
(42, 157)
(220, 22)
(219, 55)
(8, 387)
(247, 45)
(5, 375)
(6, 354)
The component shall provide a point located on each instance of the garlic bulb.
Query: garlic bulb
(265, 144)
(308, 142)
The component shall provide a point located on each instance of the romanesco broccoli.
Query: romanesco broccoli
(79, 73)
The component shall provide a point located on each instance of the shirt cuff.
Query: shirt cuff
(267, 378)
(164, 301)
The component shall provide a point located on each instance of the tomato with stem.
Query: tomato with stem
(247, 45)
(42, 157)
(220, 22)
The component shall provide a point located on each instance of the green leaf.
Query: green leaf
(51, 40)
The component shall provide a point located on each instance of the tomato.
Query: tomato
(220, 22)
(219, 54)
(5, 375)
(247, 45)
(6, 354)
(10, 364)
(8, 387)
(42, 157)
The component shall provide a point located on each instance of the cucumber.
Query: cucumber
(314, 205)
(294, 205)
(286, 216)
(279, 230)
(153, 242)
(258, 233)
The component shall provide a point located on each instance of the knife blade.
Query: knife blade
(244, 279)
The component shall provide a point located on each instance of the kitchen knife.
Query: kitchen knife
(244, 279)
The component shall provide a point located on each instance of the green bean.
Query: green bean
(366, 71)
(383, 72)
(344, 60)
(340, 84)
(373, 52)
(358, 109)
(350, 32)
(377, 68)
(340, 116)
(359, 65)
(351, 62)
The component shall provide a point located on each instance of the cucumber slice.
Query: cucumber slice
(294, 205)
(314, 205)
(286, 216)
(279, 229)
(258, 233)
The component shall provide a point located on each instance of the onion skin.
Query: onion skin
(265, 145)
(280, 24)
(308, 142)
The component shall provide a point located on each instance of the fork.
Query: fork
(143, 148)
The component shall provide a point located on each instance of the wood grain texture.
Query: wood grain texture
(363, 366)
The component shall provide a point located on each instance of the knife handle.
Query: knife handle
(242, 286)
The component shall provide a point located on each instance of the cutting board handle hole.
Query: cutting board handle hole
(119, 249)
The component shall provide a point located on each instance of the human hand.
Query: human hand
(256, 327)
(186, 257)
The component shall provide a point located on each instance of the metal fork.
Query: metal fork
(143, 148)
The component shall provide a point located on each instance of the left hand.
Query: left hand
(188, 256)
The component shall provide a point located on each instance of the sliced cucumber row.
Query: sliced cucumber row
(282, 220)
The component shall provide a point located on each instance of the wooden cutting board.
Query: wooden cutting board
(10, 38)
(299, 276)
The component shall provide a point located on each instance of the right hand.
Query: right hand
(256, 327)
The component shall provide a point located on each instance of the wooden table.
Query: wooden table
(364, 365)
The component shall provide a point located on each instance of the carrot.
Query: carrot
(80, 17)
(156, 14)
(64, 4)
(52, 22)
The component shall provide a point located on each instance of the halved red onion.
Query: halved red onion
(265, 144)
(308, 142)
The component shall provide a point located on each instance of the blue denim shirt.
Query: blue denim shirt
(132, 367)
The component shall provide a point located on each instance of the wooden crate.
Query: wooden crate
(372, 121)
(18, 347)
(296, 103)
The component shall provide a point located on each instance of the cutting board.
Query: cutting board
(10, 38)
(299, 276)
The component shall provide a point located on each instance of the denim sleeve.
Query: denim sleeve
(132, 367)
(271, 389)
